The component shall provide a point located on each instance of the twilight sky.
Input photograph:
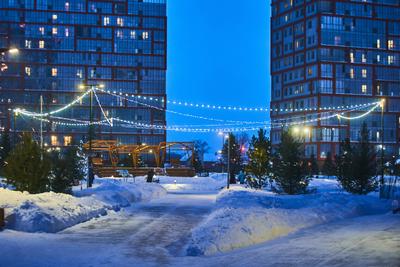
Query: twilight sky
(218, 53)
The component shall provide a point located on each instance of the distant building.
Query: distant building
(64, 43)
(330, 54)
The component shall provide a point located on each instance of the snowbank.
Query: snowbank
(214, 182)
(47, 212)
(119, 194)
(244, 217)
(52, 212)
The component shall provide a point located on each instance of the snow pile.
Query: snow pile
(244, 217)
(47, 212)
(53, 212)
(193, 184)
(122, 194)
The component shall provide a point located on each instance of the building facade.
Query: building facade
(118, 44)
(331, 55)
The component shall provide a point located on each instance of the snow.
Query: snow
(214, 182)
(326, 228)
(244, 217)
(47, 212)
(119, 193)
(53, 212)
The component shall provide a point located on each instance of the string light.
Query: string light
(362, 115)
(102, 110)
(22, 111)
(227, 108)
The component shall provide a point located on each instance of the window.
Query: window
(310, 71)
(54, 17)
(390, 60)
(28, 71)
(364, 88)
(28, 44)
(106, 21)
(54, 72)
(133, 35)
(145, 35)
(79, 73)
(67, 6)
(364, 58)
(351, 57)
(390, 44)
(41, 30)
(54, 31)
(66, 32)
(378, 43)
(364, 73)
(120, 21)
(351, 73)
(67, 140)
(41, 44)
(54, 140)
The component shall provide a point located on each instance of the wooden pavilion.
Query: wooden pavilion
(112, 150)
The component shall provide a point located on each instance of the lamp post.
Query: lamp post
(3, 67)
(382, 182)
(229, 160)
(91, 88)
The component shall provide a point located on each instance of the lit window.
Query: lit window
(351, 57)
(390, 44)
(145, 35)
(54, 17)
(364, 88)
(378, 58)
(119, 34)
(66, 32)
(41, 44)
(390, 60)
(120, 21)
(54, 31)
(351, 73)
(28, 71)
(106, 21)
(41, 30)
(133, 34)
(363, 58)
(66, 6)
(67, 140)
(54, 140)
(28, 44)
(364, 73)
(79, 73)
(310, 72)
(378, 43)
(54, 72)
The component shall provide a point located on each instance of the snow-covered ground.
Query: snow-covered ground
(244, 217)
(52, 212)
(326, 228)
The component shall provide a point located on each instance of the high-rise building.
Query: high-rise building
(335, 55)
(118, 44)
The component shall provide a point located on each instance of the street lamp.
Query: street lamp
(3, 67)
(91, 88)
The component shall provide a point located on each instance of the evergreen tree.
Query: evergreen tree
(357, 165)
(26, 170)
(289, 169)
(5, 148)
(313, 165)
(329, 168)
(67, 170)
(235, 156)
(200, 148)
(259, 155)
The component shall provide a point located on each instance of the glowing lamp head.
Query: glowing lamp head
(82, 87)
(296, 130)
(306, 130)
(220, 133)
(101, 86)
(13, 51)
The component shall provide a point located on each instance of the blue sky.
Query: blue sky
(218, 53)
